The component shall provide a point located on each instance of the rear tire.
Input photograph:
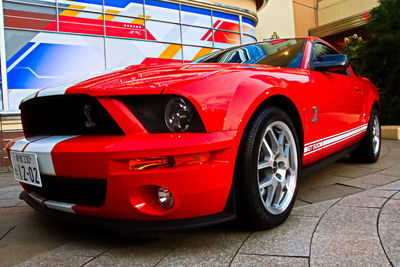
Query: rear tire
(370, 147)
(267, 169)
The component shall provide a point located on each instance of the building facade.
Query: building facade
(50, 41)
(332, 20)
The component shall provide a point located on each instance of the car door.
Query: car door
(337, 106)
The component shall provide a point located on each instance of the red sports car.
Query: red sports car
(183, 145)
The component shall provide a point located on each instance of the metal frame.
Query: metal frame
(4, 87)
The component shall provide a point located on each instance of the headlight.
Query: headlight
(165, 113)
(178, 115)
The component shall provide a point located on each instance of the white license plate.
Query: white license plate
(26, 168)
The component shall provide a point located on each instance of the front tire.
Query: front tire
(267, 169)
(370, 147)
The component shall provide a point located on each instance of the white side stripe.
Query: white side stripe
(323, 143)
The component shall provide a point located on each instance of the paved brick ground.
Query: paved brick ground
(347, 214)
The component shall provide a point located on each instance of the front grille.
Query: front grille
(86, 192)
(67, 115)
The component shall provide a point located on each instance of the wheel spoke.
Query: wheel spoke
(281, 138)
(286, 151)
(271, 194)
(274, 140)
(278, 194)
(267, 183)
(265, 164)
(267, 147)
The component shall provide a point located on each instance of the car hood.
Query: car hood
(145, 79)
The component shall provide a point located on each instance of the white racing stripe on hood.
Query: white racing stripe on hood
(42, 148)
(62, 88)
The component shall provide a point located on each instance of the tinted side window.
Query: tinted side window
(322, 50)
(280, 53)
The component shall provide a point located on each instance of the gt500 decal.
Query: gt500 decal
(333, 140)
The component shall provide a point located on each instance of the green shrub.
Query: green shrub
(378, 57)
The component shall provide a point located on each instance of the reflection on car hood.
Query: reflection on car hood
(142, 79)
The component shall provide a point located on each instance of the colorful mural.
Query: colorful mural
(48, 43)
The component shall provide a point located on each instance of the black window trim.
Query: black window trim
(312, 56)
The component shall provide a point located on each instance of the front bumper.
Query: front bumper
(198, 190)
(127, 226)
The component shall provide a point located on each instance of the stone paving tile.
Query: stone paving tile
(11, 188)
(389, 233)
(13, 193)
(51, 259)
(348, 220)
(370, 181)
(201, 256)
(358, 200)
(213, 247)
(16, 253)
(396, 196)
(314, 210)
(392, 171)
(319, 180)
(20, 208)
(161, 240)
(359, 184)
(4, 230)
(261, 260)
(391, 211)
(23, 204)
(22, 216)
(215, 236)
(300, 203)
(82, 248)
(348, 170)
(292, 238)
(377, 179)
(378, 193)
(391, 186)
(9, 202)
(346, 249)
(326, 193)
(130, 256)
(29, 238)
(390, 160)
(6, 182)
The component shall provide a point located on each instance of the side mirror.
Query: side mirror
(330, 63)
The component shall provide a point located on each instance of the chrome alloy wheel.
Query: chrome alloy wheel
(277, 167)
(376, 136)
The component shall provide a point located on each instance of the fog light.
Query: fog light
(165, 198)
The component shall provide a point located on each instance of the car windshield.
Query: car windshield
(280, 53)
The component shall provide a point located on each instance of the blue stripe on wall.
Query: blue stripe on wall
(121, 3)
(225, 16)
(19, 53)
(162, 4)
(248, 21)
(94, 2)
(195, 10)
